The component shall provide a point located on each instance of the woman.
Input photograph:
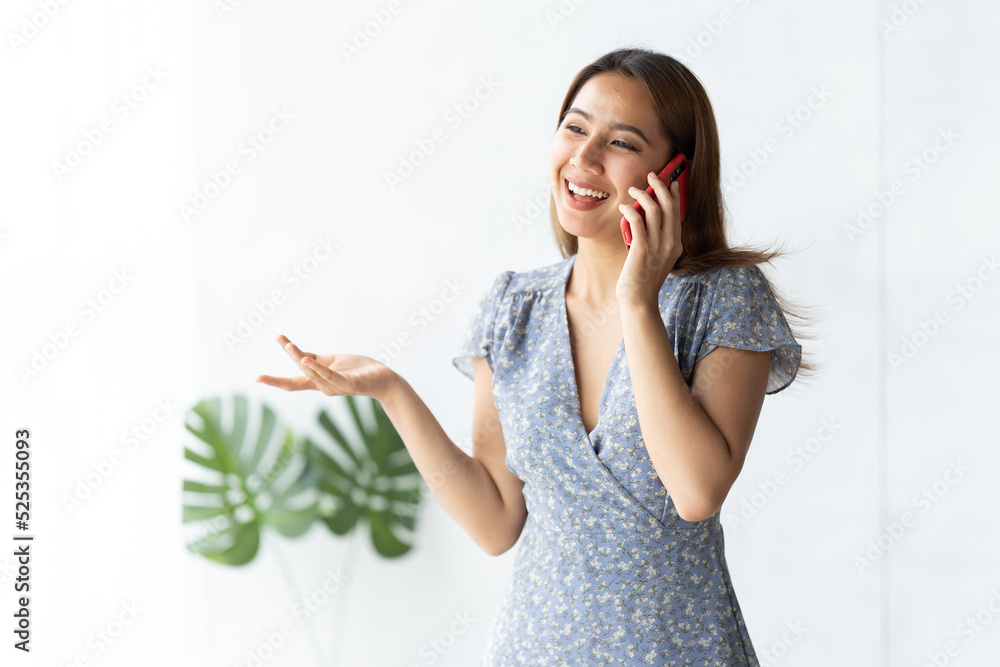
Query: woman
(616, 393)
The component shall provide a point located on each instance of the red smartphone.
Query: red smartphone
(676, 170)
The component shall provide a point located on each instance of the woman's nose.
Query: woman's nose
(584, 159)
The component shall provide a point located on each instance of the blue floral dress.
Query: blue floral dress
(606, 572)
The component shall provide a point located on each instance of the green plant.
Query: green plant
(275, 479)
(249, 492)
(380, 484)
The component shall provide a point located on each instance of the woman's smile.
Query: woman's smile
(580, 201)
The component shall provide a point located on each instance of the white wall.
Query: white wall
(888, 95)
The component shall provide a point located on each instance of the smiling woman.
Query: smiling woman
(620, 435)
(615, 393)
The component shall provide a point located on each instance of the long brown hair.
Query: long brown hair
(688, 123)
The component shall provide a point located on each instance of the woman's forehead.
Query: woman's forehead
(612, 98)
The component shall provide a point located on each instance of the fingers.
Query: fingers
(300, 358)
(326, 376)
(317, 374)
(293, 350)
(288, 384)
(299, 383)
(284, 342)
(675, 190)
(668, 202)
(651, 208)
(660, 189)
(645, 200)
(295, 353)
(670, 195)
(291, 384)
(636, 222)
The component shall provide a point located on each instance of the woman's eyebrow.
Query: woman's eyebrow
(614, 126)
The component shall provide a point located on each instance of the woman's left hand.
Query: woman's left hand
(656, 245)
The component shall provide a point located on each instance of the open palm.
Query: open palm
(333, 374)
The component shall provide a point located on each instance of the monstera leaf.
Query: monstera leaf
(260, 480)
(377, 481)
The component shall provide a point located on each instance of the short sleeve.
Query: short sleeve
(744, 313)
(479, 335)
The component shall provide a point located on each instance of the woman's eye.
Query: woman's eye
(576, 129)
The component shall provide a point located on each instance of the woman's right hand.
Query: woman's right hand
(335, 374)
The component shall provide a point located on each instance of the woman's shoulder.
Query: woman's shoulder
(730, 276)
(719, 285)
(540, 279)
(717, 290)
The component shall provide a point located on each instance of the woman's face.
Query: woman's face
(609, 140)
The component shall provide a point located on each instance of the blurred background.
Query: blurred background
(182, 182)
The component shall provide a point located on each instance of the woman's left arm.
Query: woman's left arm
(697, 437)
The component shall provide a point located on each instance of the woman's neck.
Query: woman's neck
(594, 276)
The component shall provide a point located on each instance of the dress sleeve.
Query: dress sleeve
(744, 313)
(479, 335)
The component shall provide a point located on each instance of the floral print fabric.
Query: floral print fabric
(606, 572)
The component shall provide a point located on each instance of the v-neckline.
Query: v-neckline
(570, 364)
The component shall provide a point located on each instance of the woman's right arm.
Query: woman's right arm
(478, 491)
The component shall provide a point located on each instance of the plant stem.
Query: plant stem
(296, 599)
(340, 619)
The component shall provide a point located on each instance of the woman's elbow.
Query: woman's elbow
(495, 547)
(695, 510)
(501, 538)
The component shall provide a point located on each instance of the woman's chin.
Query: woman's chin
(595, 232)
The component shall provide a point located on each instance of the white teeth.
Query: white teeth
(590, 193)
